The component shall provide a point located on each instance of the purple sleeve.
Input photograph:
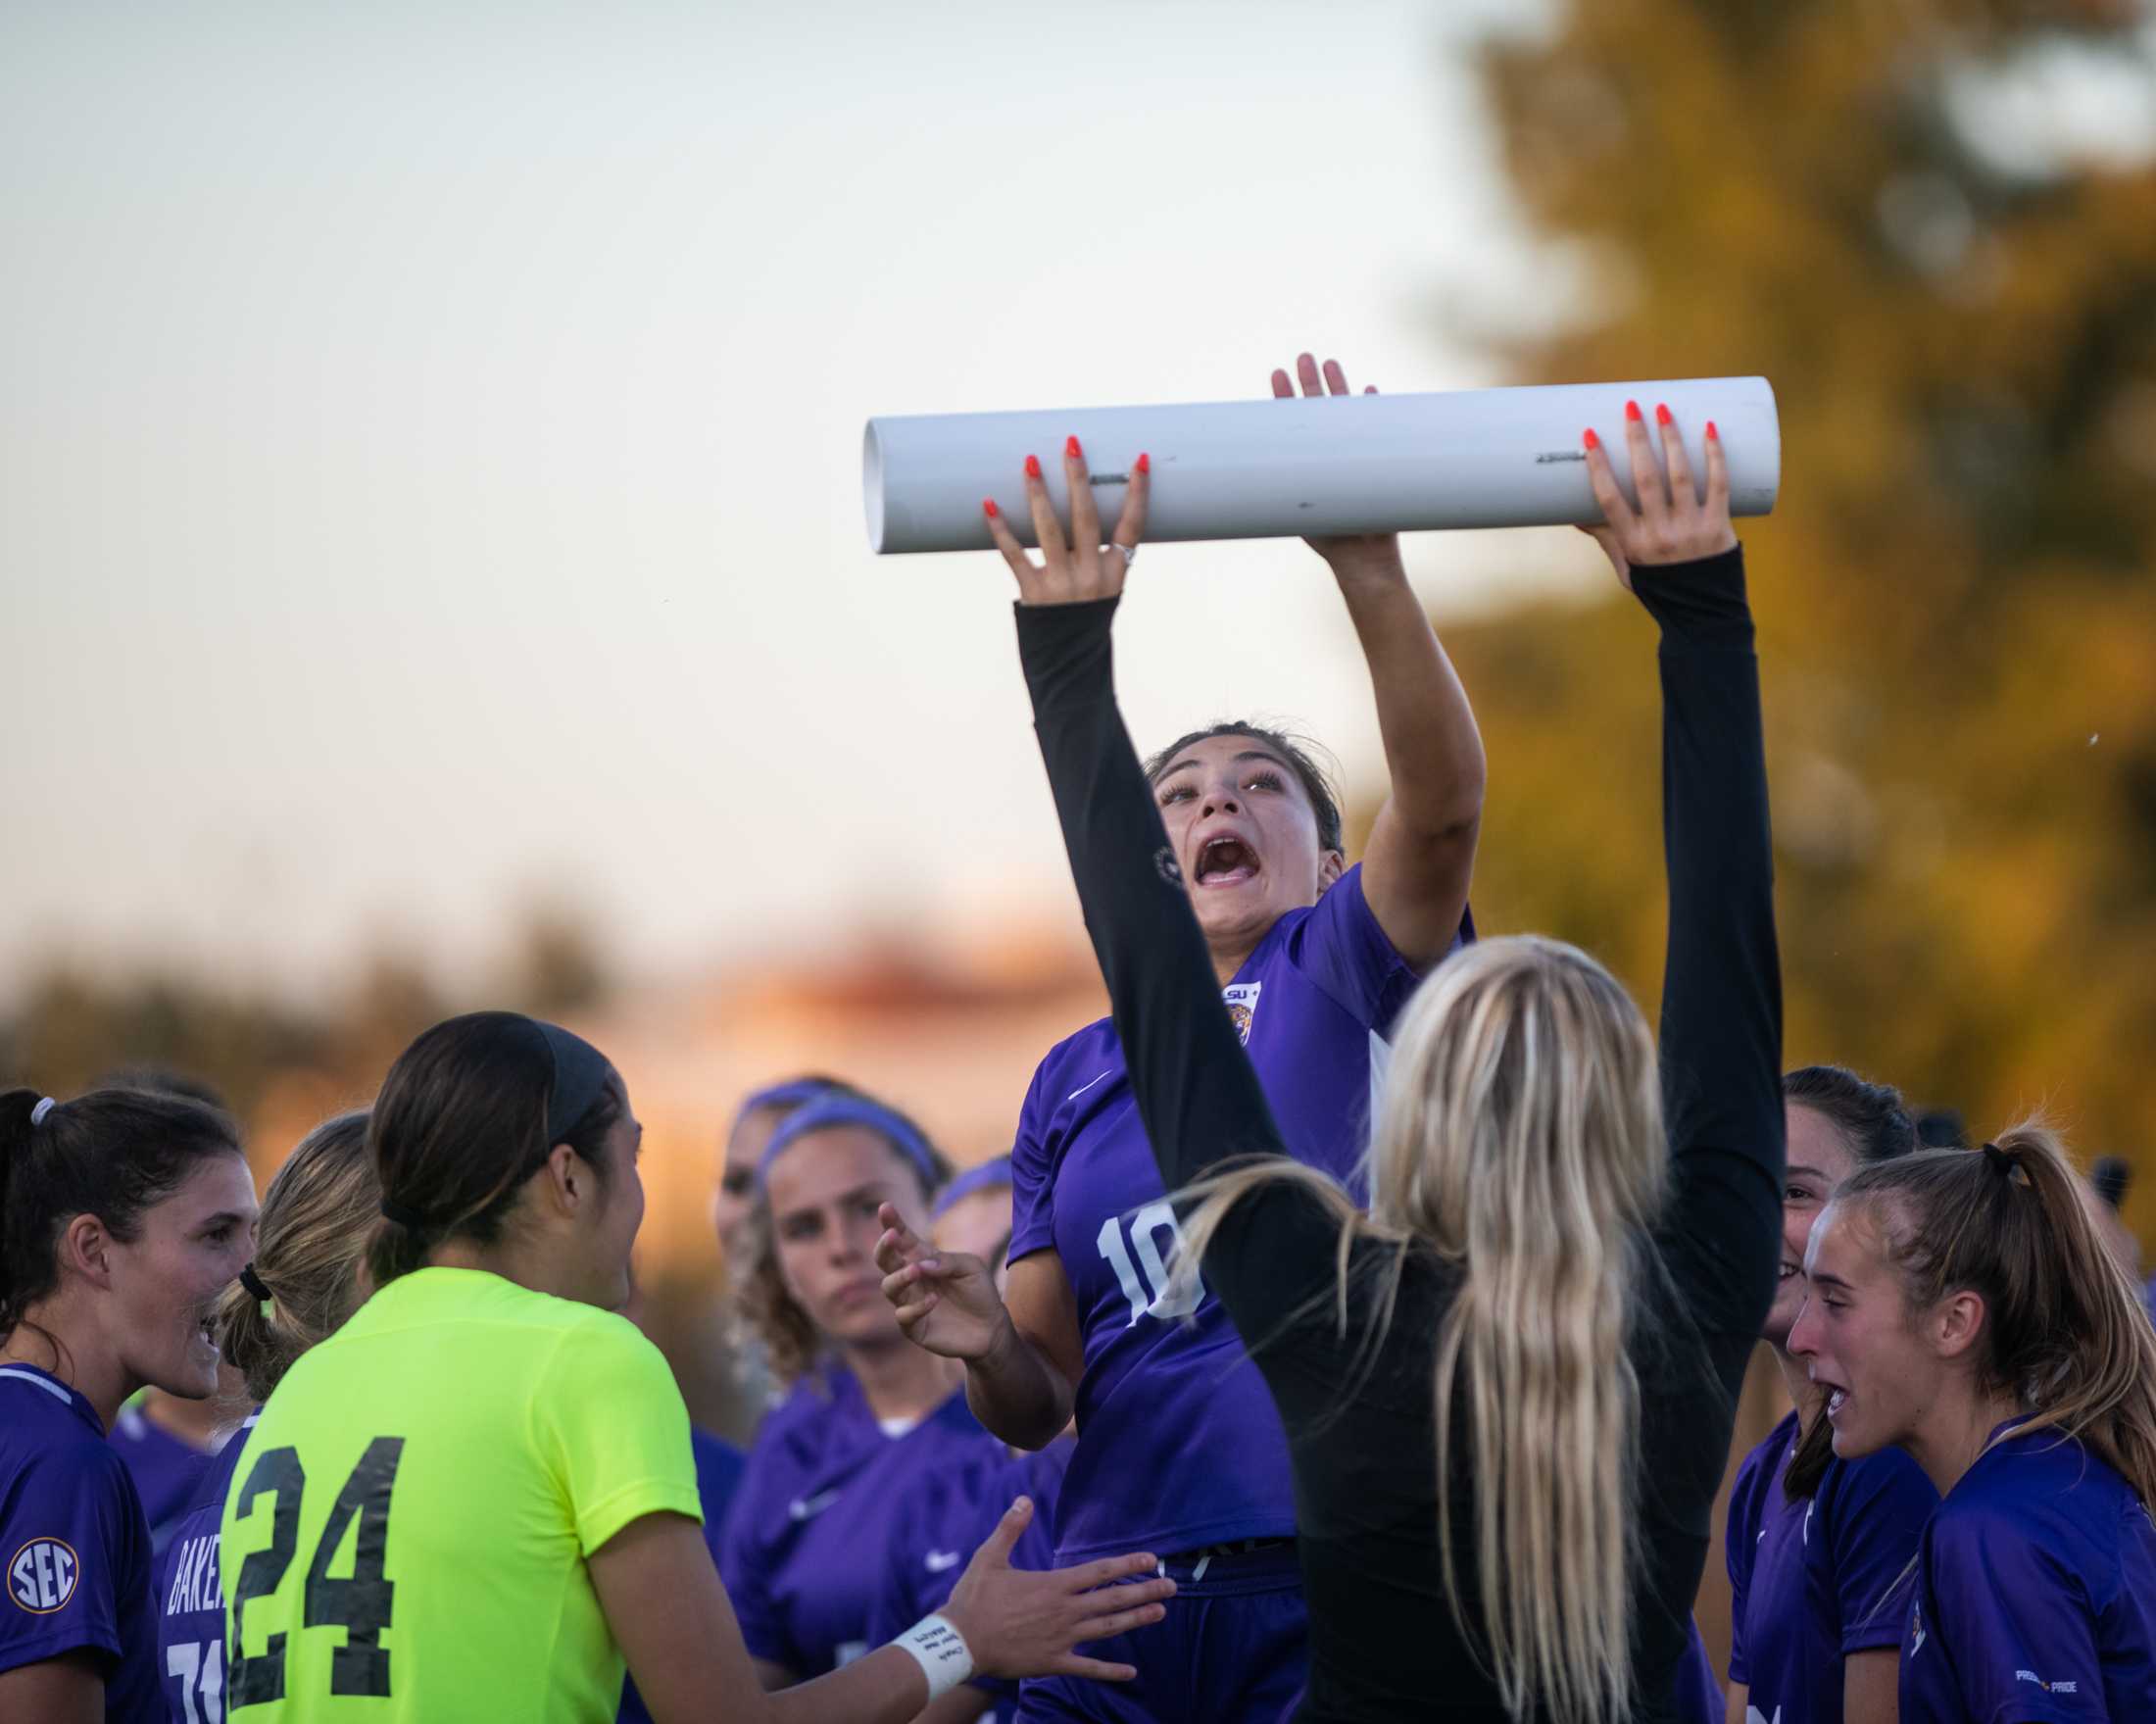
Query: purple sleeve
(1739, 1549)
(1342, 949)
(1032, 1174)
(2015, 1624)
(744, 1566)
(74, 1541)
(1879, 1508)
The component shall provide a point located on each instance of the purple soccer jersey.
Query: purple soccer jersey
(941, 1523)
(801, 1555)
(1813, 1581)
(189, 1599)
(2035, 1594)
(1179, 1443)
(1699, 1694)
(166, 1471)
(76, 1545)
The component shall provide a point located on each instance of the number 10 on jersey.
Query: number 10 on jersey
(1149, 1294)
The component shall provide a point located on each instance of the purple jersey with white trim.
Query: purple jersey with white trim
(1179, 1443)
(1813, 1581)
(166, 1471)
(74, 1543)
(189, 1599)
(2035, 1594)
(802, 1552)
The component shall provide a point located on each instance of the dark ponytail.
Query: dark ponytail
(2065, 1334)
(467, 1114)
(1876, 1126)
(112, 1153)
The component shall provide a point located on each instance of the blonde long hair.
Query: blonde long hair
(1521, 1142)
(310, 1252)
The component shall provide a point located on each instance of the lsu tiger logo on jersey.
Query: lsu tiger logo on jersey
(41, 1575)
(1242, 999)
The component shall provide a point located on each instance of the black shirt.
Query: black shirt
(1383, 1644)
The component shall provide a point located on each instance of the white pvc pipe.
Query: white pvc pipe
(1350, 464)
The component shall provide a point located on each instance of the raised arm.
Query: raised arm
(1193, 1083)
(1721, 1033)
(1421, 854)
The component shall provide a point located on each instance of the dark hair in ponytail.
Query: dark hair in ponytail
(112, 1153)
(460, 1124)
(2064, 1331)
(316, 1218)
(1875, 1124)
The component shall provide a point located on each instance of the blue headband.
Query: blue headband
(829, 1111)
(991, 1175)
(795, 1092)
(580, 1074)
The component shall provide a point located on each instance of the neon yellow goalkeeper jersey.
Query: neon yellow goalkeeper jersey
(407, 1530)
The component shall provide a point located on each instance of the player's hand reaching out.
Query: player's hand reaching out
(946, 1301)
(1022, 1623)
(1674, 523)
(1079, 568)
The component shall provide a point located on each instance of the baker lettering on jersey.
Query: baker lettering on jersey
(196, 1584)
(41, 1576)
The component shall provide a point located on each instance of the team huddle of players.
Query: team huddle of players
(1366, 1350)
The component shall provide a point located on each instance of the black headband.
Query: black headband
(576, 1075)
(580, 1074)
(255, 1285)
(1999, 1162)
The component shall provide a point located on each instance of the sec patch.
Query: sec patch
(41, 1576)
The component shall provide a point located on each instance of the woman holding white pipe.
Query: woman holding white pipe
(1180, 1447)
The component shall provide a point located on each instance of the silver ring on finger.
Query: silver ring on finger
(1130, 554)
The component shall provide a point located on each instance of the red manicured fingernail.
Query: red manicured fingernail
(1631, 410)
(1712, 432)
(1072, 450)
(1033, 467)
(1145, 463)
(1588, 437)
(1661, 416)
(989, 509)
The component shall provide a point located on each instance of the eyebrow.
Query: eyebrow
(1248, 754)
(1813, 1172)
(1830, 1281)
(223, 1217)
(872, 1188)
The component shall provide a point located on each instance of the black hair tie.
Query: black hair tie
(255, 1285)
(408, 1219)
(1999, 1162)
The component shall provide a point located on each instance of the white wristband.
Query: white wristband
(941, 1651)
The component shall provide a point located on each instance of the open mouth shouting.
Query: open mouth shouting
(1224, 857)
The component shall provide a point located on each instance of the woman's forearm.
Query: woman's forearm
(1433, 749)
(1017, 1392)
(1421, 854)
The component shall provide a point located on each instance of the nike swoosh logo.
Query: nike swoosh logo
(939, 1561)
(1084, 1087)
(809, 1508)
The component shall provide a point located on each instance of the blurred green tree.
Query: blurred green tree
(1933, 225)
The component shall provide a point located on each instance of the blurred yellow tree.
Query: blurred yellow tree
(1933, 225)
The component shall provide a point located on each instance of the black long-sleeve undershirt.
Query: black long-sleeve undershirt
(1384, 1642)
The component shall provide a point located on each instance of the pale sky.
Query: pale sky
(429, 448)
